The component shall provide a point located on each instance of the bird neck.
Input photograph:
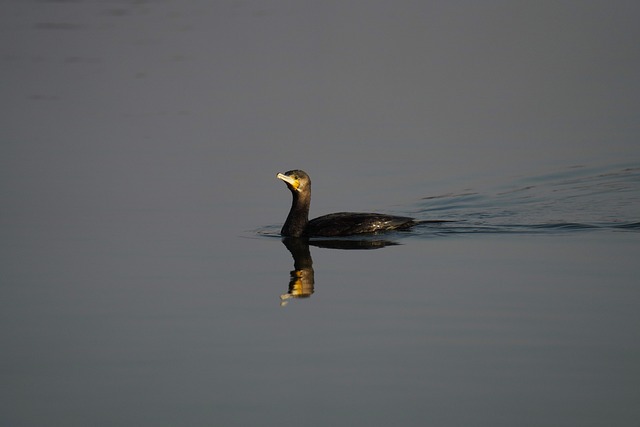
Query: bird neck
(298, 217)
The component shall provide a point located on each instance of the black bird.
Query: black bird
(337, 224)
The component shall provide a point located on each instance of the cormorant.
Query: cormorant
(337, 224)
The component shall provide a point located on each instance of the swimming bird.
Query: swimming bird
(336, 224)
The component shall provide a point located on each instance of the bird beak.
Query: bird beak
(293, 183)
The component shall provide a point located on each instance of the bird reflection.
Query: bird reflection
(302, 281)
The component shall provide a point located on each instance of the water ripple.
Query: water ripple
(578, 198)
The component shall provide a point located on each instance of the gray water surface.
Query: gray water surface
(142, 278)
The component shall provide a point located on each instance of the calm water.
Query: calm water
(143, 282)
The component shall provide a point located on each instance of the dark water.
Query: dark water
(142, 280)
(522, 310)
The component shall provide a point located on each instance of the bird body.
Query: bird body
(332, 225)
